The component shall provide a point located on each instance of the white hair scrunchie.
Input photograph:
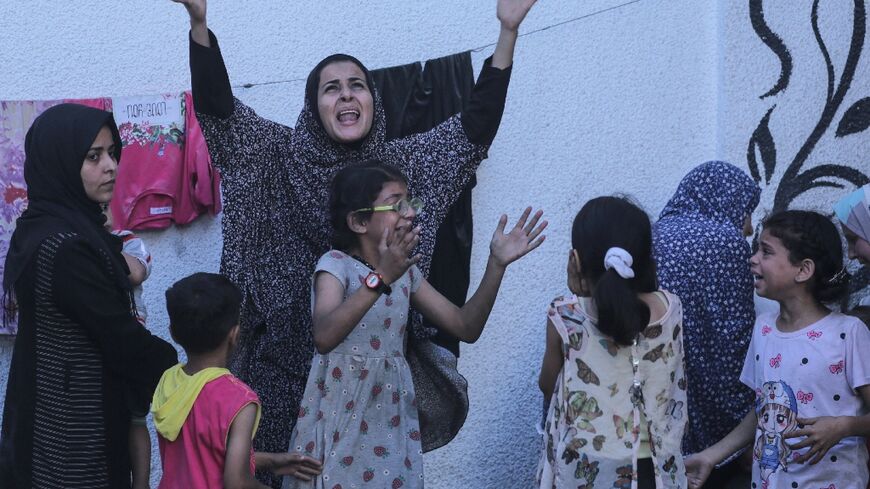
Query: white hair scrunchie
(619, 260)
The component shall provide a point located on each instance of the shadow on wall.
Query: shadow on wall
(761, 154)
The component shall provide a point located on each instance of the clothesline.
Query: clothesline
(473, 50)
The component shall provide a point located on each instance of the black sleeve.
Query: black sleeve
(482, 116)
(85, 292)
(210, 84)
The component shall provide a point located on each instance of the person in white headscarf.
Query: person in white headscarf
(853, 212)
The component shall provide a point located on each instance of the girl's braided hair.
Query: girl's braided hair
(809, 235)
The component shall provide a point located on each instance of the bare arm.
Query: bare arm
(237, 468)
(467, 322)
(198, 26)
(699, 465)
(333, 317)
(510, 14)
(551, 365)
(140, 456)
(137, 270)
(292, 464)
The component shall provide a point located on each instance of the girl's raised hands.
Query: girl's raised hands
(512, 12)
(395, 249)
(523, 238)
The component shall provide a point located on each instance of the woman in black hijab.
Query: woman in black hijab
(275, 181)
(80, 357)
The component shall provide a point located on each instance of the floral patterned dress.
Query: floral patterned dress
(359, 410)
(592, 432)
(702, 256)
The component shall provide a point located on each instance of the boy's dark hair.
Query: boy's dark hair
(862, 313)
(809, 235)
(357, 187)
(604, 223)
(203, 308)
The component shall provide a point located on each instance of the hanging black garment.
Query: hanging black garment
(415, 100)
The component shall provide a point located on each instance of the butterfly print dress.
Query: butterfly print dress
(592, 432)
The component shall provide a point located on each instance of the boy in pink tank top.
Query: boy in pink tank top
(205, 416)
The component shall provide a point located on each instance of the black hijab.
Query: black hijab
(55, 148)
(312, 86)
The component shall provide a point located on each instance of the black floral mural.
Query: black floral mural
(797, 178)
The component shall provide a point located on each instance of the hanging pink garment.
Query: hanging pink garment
(199, 190)
(152, 131)
(165, 175)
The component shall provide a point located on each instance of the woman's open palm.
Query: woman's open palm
(512, 12)
(195, 8)
(524, 237)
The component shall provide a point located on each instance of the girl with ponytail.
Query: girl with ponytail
(613, 365)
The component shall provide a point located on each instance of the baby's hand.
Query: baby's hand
(821, 434)
(507, 248)
(394, 249)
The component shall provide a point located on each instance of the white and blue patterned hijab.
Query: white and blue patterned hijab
(703, 257)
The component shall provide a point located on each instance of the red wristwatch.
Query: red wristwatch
(375, 281)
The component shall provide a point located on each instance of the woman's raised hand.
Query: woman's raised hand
(512, 12)
(523, 238)
(198, 27)
(395, 249)
(196, 10)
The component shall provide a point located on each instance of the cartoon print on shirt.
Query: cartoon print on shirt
(777, 413)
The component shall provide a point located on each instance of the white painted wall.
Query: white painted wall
(750, 70)
(625, 101)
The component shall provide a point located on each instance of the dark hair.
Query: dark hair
(357, 187)
(604, 223)
(203, 308)
(862, 313)
(809, 235)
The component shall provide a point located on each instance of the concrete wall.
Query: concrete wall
(794, 90)
(627, 100)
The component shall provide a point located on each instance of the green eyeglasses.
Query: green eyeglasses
(403, 207)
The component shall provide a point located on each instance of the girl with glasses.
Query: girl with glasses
(359, 411)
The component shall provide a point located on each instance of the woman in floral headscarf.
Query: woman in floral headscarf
(703, 257)
(275, 182)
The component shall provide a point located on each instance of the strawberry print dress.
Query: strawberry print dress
(359, 411)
